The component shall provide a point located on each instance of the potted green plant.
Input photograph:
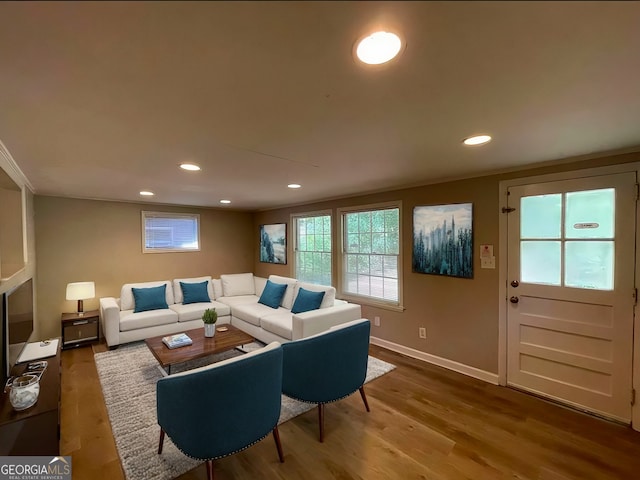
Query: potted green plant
(210, 317)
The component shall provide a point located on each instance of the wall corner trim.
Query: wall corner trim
(9, 165)
(439, 361)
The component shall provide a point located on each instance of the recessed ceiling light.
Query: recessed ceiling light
(225, 201)
(192, 167)
(477, 140)
(147, 193)
(379, 47)
(294, 185)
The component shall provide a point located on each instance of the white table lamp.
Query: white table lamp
(80, 291)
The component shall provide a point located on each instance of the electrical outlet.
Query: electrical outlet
(422, 332)
(376, 321)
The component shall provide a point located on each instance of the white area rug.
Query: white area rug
(128, 376)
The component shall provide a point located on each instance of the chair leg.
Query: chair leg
(161, 441)
(321, 420)
(209, 469)
(364, 398)
(276, 437)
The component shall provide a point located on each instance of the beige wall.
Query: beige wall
(11, 245)
(20, 271)
(92, 240)
(88, 240)
(460, 315)
(16, 208)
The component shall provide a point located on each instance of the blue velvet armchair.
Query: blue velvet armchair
(223, 408)
(327, 367)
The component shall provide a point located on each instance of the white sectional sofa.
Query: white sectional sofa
(236, 299)
(120, 324)
(242, 292)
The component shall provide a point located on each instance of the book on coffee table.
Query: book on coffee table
(178, 340)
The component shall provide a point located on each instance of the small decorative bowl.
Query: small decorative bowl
(24, 392)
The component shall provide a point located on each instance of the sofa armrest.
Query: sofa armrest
(110, 320)
(316, 321)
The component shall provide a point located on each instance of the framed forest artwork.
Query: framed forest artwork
(273, 243)
(443, 240)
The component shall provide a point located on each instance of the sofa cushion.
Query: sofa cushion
(253, 312)
(194, 311)
(287, 299)
(127, 301)
(329, 292)
(195, 292)
(306, 300)
(238, 284)
(279, 323)
(151, 318)
(151, 298)
(272, 294)
(217, 288)
(238, 300)
(177, 290)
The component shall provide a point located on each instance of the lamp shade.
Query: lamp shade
(81, 290)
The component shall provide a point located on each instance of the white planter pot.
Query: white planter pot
(209, 329)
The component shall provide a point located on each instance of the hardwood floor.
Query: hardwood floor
(426, 422)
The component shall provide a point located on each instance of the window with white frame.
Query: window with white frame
(312, 247)
(170, 232)
(371, 253)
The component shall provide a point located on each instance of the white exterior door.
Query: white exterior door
(570, 291)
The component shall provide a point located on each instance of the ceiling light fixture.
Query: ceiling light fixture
(294, 185)
(147, 193)
(379, 47)
(225, 201)
(192, 167)
(477, 140)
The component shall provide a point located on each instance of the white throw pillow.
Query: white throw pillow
(329, 292)
(127, 302)
(177, 288)
(287, 298)
(217, 288)
(238, 284)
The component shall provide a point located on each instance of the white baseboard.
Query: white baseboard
(441, 362)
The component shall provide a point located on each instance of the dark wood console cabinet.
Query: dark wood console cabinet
(36, 430)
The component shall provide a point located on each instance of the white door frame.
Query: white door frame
(502, 272)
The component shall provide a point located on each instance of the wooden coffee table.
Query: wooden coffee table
(202, 346)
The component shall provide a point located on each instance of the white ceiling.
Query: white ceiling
(102, 100)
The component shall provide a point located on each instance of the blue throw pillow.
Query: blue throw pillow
(195, 292)
(153, 298)
(307, 301)
(272, 294)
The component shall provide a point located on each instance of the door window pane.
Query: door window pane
(540, 216)
(590, 214)
(540, 262)
(589, 265)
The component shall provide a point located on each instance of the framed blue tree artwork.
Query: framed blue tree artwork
(443, 240)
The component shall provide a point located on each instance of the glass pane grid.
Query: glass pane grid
(371, 254)
(581, 254)
(313, 250)
(166, 232)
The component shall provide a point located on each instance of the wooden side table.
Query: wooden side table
(80, 330)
